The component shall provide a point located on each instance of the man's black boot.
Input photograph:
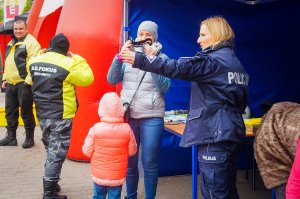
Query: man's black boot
(29, 140)
(50, 191)
(10, 139)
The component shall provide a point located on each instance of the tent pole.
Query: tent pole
(125, 27)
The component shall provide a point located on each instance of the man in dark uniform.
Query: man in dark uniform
(54, 75)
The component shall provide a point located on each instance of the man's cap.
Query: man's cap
(60, 43)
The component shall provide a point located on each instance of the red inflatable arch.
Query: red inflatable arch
(93, 28)
(42, 20)
(34, 16)
(4, 39)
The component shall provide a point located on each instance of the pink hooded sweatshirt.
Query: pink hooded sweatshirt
(293, 185)
(109, 143)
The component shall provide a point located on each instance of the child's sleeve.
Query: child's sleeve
(88, 146)
(132, 147)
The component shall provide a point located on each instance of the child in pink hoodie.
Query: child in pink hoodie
(293, 185)
(109, 143)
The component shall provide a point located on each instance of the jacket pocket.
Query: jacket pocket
(214, 170)
(195, 114)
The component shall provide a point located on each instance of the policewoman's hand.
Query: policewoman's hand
(128, 56)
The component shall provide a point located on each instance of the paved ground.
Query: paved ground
(21, 174)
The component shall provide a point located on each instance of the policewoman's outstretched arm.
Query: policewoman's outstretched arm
(185, 68)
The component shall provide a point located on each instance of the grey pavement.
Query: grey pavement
(21, 172)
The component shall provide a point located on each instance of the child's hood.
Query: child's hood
(111, 107)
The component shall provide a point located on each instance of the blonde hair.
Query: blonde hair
(219, 28)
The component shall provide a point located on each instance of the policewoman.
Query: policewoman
(218, 99)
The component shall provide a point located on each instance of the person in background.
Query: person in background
(54, 76)
(146, 111)
(109, 143)
(19, 51)
(219, 93)
(1, 70)
(275, 145)
(293, 185)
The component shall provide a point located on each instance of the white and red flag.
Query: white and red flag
(11, 9)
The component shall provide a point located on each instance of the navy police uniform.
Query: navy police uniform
(219, 92)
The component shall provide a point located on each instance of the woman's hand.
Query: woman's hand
(127, 56)
(148, 50)
(127, 46)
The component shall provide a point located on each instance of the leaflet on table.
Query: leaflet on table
(175, 118)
